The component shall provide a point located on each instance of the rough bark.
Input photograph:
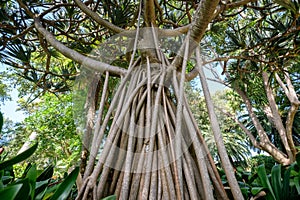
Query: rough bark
(203, 16)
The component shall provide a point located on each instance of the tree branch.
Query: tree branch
(97, 18)
(27, 10)
(295, 103)
(290, 92)
(277, 121)
(282, 85)
(174, 32)
(289, 126)
(265, 143)
(238, 3)
(116, 29)
(74, 55)
(288, 89)
(207, 10)
(203, 16)
(192, 74)
(22, 33)
(184, 29)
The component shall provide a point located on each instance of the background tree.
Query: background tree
(51, 122)
(236, 142)
(4, 89)
(262, 68)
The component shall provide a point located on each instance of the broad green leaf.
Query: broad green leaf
(111, 197)
(276, 180)
(245, 191)
(25, 190)
(31, 175)
(261, 171)
(10, 192)
(19, 158)
(294, 169)
(47, 195)
(286, 184)
(298, 159)
(65, 188)
(297, 184)
(256, 190)
(41, 184)
(7, 179)
(46, 174)
(40, 189)
(26, 170)
(50, 191)
(1, 178)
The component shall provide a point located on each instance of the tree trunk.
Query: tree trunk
(152, 150)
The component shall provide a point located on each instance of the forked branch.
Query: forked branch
(265, 143)
(277, 121)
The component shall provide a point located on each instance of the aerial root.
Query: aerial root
(145, 156)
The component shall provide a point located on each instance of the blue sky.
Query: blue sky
(9, 108)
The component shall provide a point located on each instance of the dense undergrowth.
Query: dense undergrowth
(264, 179)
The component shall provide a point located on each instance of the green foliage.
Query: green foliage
(10, 192)
(261, 36)
(277, 186)
(289, 4)
(65, 187)
(20, 157)
(258, 40)
(33, 184)
(36, 185)
(4, 88)
(258, 160)
(53, 121)
(51, 118)
(235, 140)
(275, 182)
(120, 12)
(1, 121)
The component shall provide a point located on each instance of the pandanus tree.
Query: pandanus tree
(153, 147)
